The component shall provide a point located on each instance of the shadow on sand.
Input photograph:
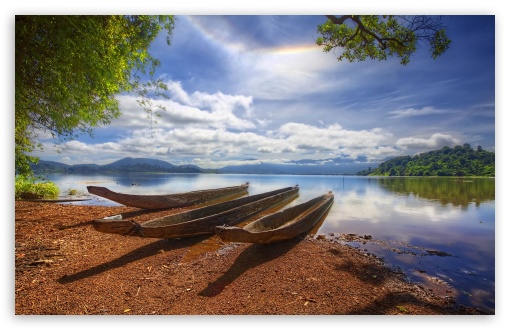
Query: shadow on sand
(124, 215)
(251, 257)
(138, 254)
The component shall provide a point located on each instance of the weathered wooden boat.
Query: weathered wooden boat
(198, 221)
(170, 200)
(280, 226)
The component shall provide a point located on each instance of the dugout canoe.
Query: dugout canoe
(170, 200)
(200, 221)
(287, 224)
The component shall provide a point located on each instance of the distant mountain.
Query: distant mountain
(333, 166)
(141, 165)
(49, 166)
(126, 162)
(125, 165)
(85, 168)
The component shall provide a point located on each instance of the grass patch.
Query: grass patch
(74, 192)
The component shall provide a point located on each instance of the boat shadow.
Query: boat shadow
(135, 255)
(251, 257)
(76, 225)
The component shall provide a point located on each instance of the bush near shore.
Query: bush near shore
(26, 187)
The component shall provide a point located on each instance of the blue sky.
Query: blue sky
(249, 89)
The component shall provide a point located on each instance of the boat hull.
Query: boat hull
(287, 224)
(170, 200)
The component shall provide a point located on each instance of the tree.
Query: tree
(457, 161)
(69, 69)
(377, 37)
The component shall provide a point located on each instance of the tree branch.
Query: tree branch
(361, 27)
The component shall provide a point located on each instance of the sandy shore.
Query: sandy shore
(65, 267)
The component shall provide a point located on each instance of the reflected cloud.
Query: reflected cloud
(430, 212)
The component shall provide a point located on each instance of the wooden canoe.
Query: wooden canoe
(289, 223)
(167, 201)
(199, 221)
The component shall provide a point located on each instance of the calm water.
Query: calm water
(435, 230)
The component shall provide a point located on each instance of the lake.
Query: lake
(438, 231)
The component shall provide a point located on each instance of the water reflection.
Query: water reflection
(457, 191)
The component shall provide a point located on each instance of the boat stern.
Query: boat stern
(114, 225)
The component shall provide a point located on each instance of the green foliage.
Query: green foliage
(24, 143)
(377, 37)
(73, 192)
(457, 161)
(70, 68)
(28, 187)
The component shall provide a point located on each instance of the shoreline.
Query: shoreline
(65, 267)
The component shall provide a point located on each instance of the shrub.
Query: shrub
(74, 192)
(27, 187)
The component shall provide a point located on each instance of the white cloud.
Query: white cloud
(198, 109)
(77, 146)
(436, 141)
(412, 112)
(178, 94)
(331, 138)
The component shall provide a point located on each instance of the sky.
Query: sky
(247, 89)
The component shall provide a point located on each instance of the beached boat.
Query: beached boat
(168, 201)
(198, 221)
(289, 223)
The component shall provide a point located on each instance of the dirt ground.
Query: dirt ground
(63, 266)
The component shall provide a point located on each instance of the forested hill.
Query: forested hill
(457, 161)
